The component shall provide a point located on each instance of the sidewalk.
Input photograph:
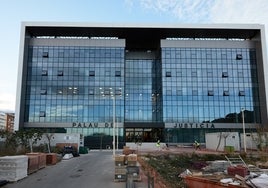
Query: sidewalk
(177, 150)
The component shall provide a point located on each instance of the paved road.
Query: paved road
(93, 170)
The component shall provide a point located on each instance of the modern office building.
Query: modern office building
(141, 82)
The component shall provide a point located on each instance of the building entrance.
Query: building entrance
(143, 134)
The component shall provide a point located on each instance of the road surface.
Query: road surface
(92, 170)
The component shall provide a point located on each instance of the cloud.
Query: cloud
(158, 5)
(129, 3)
(191, 11)
(7, 102)
(209, 11)
(240, 11)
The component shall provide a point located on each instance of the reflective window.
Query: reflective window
(44, 72)
(225, 93)
(91, 73)
(60, 73)
(62, 85)
(210, 85)
(239, 56)
(168, 74)
(241, 93)
(42, 114)
(45, 54)
(86, 84)
(118, 73)
(143, 94)
(210, 93)
(224, 74)
(43, 92)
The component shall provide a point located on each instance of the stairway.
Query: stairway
(234, 161)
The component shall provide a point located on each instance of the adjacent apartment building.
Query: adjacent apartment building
(141, 82)
(7, 121)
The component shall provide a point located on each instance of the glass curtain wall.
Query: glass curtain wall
(75, 84)
(143, 99)
(64, 84)
(142, 93)
(209, 85)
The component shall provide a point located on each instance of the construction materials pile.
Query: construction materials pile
(120, 168)
(13, 168)
(127, 150)
(126, 166)
(233, 172)
(51, 159)
(36, 161)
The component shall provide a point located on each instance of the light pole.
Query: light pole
(113, 97)
(112, 93)
(244, 131)
(117, 134)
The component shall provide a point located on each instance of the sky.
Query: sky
(13, 12)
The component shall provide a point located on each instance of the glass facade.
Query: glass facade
(209, 85)
(143, 91)
(143, 99)
(167, 93)
(76, 84)
(185, 85)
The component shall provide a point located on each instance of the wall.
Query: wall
(252, 140)
(73, 138)
(213, 139)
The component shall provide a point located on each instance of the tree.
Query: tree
(223, 135)
(261, 139)
(28, 137)
(49, 137)
(10, 144)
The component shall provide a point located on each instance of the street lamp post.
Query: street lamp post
(244, 131)
(117, 135)
(112, 94)
(113, 97)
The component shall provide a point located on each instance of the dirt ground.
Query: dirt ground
(164, 160)
(178, 150)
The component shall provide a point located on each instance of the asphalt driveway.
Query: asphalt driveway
(95, 169)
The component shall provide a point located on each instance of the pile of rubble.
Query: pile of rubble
(226, 173)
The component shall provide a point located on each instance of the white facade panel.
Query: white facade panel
(68, 138)
(207, 44)
(217, 141)
(77, 42)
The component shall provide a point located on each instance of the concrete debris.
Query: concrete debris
(185, 173)
(226, 180)
(259, 181)
(217, 174)
(216, 166)
(67, 156)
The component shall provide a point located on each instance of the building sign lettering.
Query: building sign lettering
(92, 125)
(194, 125)
(173, 125)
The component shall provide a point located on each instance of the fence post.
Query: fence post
(130, 183)
(150, 181)
(148, 176)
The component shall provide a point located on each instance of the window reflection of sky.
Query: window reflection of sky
(187, 77)
(74, 95)
(202, 70)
